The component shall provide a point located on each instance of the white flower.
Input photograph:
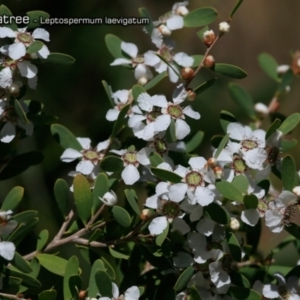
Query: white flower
(224, 27)
(261, 109)
(6, 224)
(179, 8)
(131, 161)
(137, 61)
(109, 198)
(281, 211)
(23, 40)
(7, 250)
(282, 69)
(132, 293)
(89, 156)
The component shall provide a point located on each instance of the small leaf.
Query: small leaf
(241, 182)
(229, 191)
(217, 213)
(230, 71)
(268, 63)
(194, 293)
(27, 280)
(132, 200)
(35, 18)
(274, 126)
(42, 240)
(166, 175)
(155, 159)
(222, 145)
(171, 133)
(4, 11)
(234, 247)
(226, 118)
(145, 14)
(61, 193)
(72, 268)
(121, 216)
(100, 188)
(239, 279)
(250, 201)
(75, 284)
(25, 216)
(194, 142)
(286, 80)
(52, 263)
(34, 47)
(200, 17)
(161, 238)
(108, 93)
(235, 9)
(117, 254)
(96, 235)
(204, 86)
(288, 145)
(93, 289)
(103, 283)
(157, 79)
(13, 198)
(183, 279)
(289, 123)
(20, 112)
(242, 99)
(20, 263)
(288, 171)
(83, 197)
(66, 137)
(198, 58)
(112, 164)
(113, 44)
(60, 59)
(48, 295)
(137, 90)
(119, 124)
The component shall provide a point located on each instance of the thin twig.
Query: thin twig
(9, 296)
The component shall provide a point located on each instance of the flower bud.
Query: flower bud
(164, 30)
(208, 37)
(234, 224)
(282, 69)
(296, 190)
(212, 162)
(296, 63)
(82, 295)
(181, 10)
(191, 95)
(224, 27)
(209, 61)
(142, 81)
(109, 198)
(187, 73)
(145, 214)
(14, 89)
(218, 172)
(261, 109)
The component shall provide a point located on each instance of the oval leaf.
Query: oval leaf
(166, 175)
(183, 279)
(103, 283)
(288, 172)
(61, 193)
(112, 164)
(13, 198)
(42, 239)
(289, 123)
(229, 191)
(200, 17)
(268, 63)
(35, 18)
(113, 44)
(60, 59)
(52, 263)
(117, 254)
(121, 216)
(217, 213)
(100, 188)
(230, 71)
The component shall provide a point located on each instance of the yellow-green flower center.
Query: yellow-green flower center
(273, 155)
(171, 210)
(92, 155)
(151, 116)
(174, 111)
(138, 60)
(25, 38)
(194, 179)
(130, 157)
(249, 144)
(8, 62)
(160, 146)
(239, 165)
(166, 54)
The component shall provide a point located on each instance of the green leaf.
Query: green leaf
(113, 44)
(229, 191)
(13, 198)
(65, 137)
(4, 11)
(35, 18)
(183, 279)
(200, 17)
(145, 14)
(20, 112)
(121, 216)
(101, 187)
(289, 123)
(60, 59)
(286, 80)
(171, 133)
(204, 86)
(197, 60)
(103, 283)
(194, 142)
(250, 201)
(274, 126)
(222, 145)
(97, 266)
(132, 200)
(234, 247)
(287, 145)
(52, 263)
(117, 254)
(27, 280)
(20, 163)
(230, 71)
(42, 240)
(226, 118)
(137, 90)
(294, 272)
(119, 124)
(241, 182)
(194, 293)
(242, 99)
(241, 293)
(153, 82)
(108, 92)
(83, 197)
(155, 159)
(161, 237)
(217, 213)
(288, 171)
(20, 263)
(112, 164)
(239, 279)
(268, 63)
(25, 216)
(166, 175)
(34, 47)
(72, 268)
(61, 193)
(96, 235)
(75, 284)
(48, 295)
(235, 9)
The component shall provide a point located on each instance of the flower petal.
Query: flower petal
(85, 167)
(191, 113)
(130, 49)
(182, 129)
(130, 174)
(42, 34)
(133, 293)
(27, 69)
(16, 50)
(8, 132)
(158, 225)
(175, 22)
(70, 155)
(7, 250)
